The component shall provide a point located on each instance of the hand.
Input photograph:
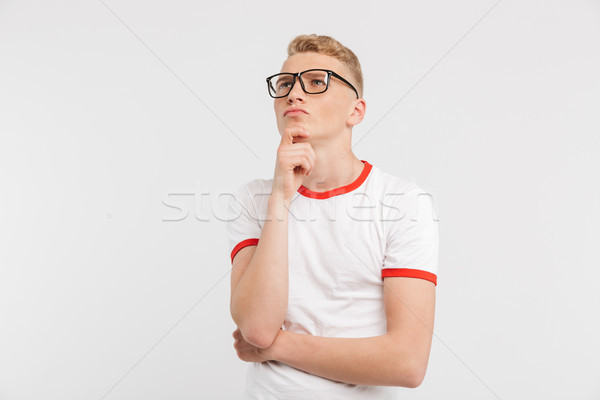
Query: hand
(248, 352)
(293, 161)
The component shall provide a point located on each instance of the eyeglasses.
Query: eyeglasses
(313, 81)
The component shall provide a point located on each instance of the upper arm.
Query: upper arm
(409, 277)
(240, 262)
(409, 309)
(243, 229)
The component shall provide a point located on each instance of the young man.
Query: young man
(334, 260)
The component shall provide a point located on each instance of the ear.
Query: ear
(358, 112)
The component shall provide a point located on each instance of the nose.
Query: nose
(296, 93)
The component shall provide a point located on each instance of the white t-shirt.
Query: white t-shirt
(342, 243)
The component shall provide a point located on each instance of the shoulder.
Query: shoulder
(257, 185)
(254, 192)
(390, 186)
(401, 197)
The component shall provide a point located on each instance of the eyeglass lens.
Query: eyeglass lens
(313, 81)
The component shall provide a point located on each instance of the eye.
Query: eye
(314, 82)
(283, 84)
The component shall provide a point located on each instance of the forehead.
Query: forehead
(308, 60)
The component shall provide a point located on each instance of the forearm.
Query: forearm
(363, 361)
(259, 303)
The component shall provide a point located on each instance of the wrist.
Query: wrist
(278, 207)
(278, 198)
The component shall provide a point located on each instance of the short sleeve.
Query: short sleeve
(412, 243)
(243, 228)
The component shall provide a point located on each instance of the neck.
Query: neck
(335, 167)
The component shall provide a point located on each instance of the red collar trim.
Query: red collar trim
(341, 190)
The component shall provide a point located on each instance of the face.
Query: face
(328, 113)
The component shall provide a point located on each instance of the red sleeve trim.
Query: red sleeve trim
(241, 245)
(410, 273)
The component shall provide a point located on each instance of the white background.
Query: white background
(110, 110)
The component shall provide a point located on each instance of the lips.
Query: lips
(294, 111)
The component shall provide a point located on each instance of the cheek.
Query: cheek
(277, 117)
(330, 115)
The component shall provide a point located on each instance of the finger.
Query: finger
(289, 134)
(306, 165)
(312, 156)
(296, 161)
(309, 153)
(301, 162)
(312, 151)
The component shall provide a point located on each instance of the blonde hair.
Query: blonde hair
(330, 47)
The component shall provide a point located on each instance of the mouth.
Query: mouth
(293, 113)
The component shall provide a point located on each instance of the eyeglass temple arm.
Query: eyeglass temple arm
(346, 82)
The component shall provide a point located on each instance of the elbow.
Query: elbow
(411, 381)
(258, 333)
(418, 376)
(262, 340)
(415, 381)
(258, 337)
(409, 376)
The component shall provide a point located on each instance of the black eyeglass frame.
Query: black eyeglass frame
(330, 73)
